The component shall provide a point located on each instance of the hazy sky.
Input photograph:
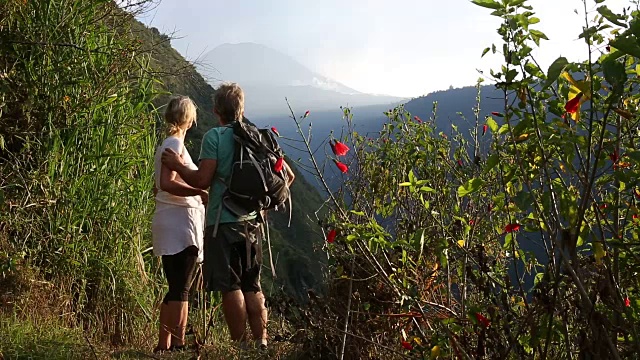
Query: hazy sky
(400, 47)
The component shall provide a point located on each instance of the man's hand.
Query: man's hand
(172, 159)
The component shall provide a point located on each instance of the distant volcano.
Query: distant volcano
(268, 76)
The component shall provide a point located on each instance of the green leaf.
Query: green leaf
(471, 186)
(490, 4)
(609, 15)
(508, 240)
(485, 51)
(615, 74)
(493, 125)
(492, 161)
(626, 45)
(555, 70)
(536, 35)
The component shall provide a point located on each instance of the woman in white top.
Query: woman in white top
(177, 226)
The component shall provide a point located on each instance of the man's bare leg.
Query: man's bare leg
(235, 314)
(257, 314)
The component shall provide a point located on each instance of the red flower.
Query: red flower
(339, 148)
(343, 168)
(275, 130)
(278, 166)
(635, 217)
(614, 156)
(604, 206)
(407, 345)
(572, 105)
(416, 118)
(627, 302)
(511, 228)
(484, 129)
(460, 163)
(495, 113)
(483, 320)
(306, 113)
(331, 236)
(471, 222)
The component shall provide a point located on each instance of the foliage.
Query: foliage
(516, 240)
(77, 130)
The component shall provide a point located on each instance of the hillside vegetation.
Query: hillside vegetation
(82, 89)
(514, 236)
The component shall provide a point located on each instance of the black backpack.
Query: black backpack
(254, 184)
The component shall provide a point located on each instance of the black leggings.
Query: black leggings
(179, 270)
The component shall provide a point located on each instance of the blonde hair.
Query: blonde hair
(180, 111)
(228, 102)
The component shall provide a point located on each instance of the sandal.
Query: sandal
(159, 350)
(182, 347)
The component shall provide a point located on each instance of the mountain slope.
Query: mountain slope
(269, 76)
(255, 64)
(299, 264)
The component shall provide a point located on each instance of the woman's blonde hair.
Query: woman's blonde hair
(228, 102)
(180, 111)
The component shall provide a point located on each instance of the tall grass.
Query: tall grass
(77, 135)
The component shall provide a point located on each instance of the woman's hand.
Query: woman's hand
(204, 196)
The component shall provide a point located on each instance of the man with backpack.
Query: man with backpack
(246, 175)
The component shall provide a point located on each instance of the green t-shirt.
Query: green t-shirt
(218, 144)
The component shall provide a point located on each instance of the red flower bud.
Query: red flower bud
(460, 163)
(275, 130)
(614, 156)
(627, 302)
(339, 148)
(342, 167)
(471, 222)
(331, 236)
(306, 113)
(483, 320)
(495, 113)
(416, 118)
(511, 228)
(407, 345)
(484, 128)
(572, 105)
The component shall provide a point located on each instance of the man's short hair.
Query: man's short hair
(228, 102)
